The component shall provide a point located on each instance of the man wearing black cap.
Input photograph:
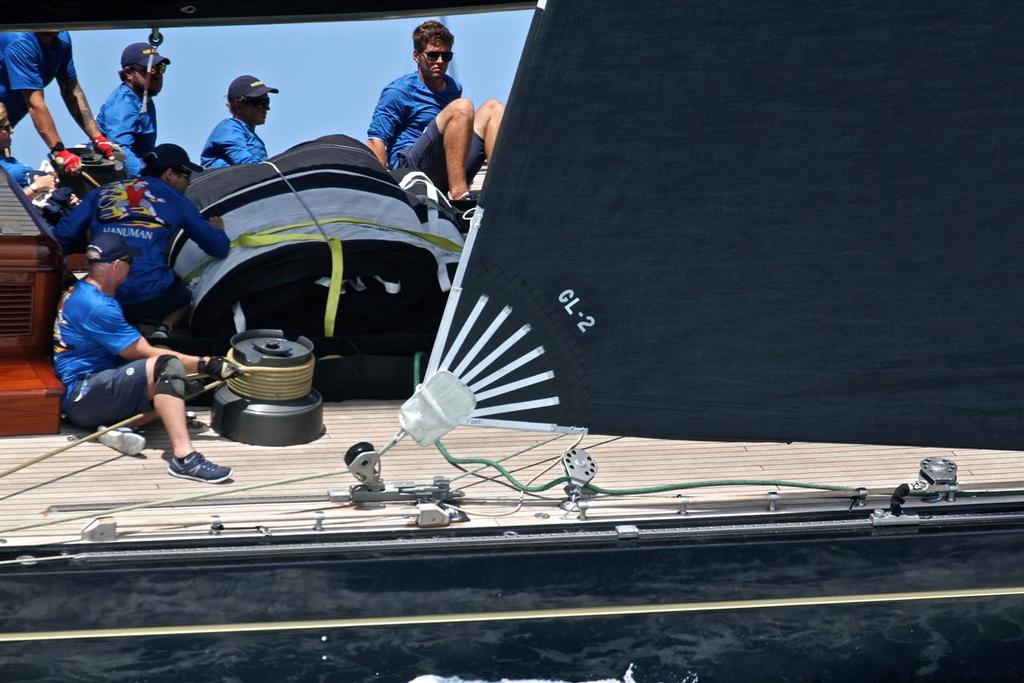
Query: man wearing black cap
(28, 63)
(148, 211)
(109, 370)
(234, 140)
(123, 118)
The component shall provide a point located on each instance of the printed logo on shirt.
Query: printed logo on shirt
(59, 346)
(130, 202)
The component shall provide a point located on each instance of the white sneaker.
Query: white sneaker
(123, 440)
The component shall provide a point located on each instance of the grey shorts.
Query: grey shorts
(109, 396)
(427, 155)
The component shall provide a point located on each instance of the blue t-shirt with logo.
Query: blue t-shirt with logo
(147, 212)
(122, 122)
(405, 109)
(88, 333)
(232, 142)
(26, 65)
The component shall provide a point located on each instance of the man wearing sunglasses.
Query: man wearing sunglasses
(28, 63)
(423, 123)
(234, 140)
(148, 211)
(110, 372)
(122, 117)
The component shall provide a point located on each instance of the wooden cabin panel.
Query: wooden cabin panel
(30, 395)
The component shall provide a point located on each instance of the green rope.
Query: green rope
(417, 363)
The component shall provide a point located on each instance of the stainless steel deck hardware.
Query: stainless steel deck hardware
(100, 530)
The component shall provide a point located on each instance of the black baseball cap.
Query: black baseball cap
(248, 86)
(110, 246)
(137, 54)
(169, 155)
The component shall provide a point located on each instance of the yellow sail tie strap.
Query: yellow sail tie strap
(436, 240)
(250, 240)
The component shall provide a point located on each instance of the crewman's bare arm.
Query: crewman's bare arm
(379, 150)
(78, 107)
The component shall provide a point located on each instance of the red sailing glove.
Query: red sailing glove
(67, 161)
(105, 146)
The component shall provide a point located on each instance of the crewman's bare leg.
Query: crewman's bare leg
(486, 123)
(456, 125)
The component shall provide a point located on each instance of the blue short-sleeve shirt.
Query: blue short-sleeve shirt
(88, 333)
(405, 109)
(26, 65)
(122, 122)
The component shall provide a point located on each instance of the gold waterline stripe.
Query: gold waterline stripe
(518, 615)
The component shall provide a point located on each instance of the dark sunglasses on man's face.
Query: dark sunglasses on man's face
(434, 55)
(258, 101)
(157, 70)
(183, 172)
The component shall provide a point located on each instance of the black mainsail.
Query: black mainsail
(782, 222)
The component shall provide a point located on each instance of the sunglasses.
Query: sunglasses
(157, 70)
(183, 172)
(434, 55)
(257, 101)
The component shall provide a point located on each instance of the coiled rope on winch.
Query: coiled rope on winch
(271, 383)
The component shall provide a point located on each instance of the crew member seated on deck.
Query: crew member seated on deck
(147, 211)
(422, 122)
(121, 117)
(28, 63)
(109, 370)
(234, 140)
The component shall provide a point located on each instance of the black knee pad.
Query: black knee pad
(169, 373)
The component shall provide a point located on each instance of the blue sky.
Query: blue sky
(330, 75)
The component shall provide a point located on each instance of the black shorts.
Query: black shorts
(109, 396)
(173, 298)
(427, 155)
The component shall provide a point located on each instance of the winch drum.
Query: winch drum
(261, 419)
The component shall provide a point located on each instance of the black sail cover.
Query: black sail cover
(755, 221)
(322, 216)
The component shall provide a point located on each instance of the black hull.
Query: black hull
(802, 601)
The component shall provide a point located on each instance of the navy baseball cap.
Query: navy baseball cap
(169, 155)
(137, 54)
(110, 246)
(248, 86)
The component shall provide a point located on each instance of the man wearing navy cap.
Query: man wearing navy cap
(109, 370)
(28, 63)
(123, 118)
(148, 211)
(234, 140)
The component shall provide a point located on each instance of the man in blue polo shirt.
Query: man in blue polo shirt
(109, 370)
(234, 140)
(122, 117)
(28, 63)
(148, 211)
(423, 123)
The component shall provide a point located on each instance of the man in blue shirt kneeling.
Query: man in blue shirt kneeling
(148, 211)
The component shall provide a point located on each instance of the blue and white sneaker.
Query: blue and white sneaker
(196, 466)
